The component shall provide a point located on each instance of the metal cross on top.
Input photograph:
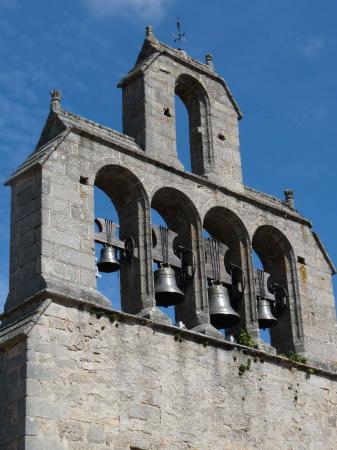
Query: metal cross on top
(179, 36)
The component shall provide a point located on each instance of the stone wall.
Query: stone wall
(62, 259)
(98, 380)
(12, 395)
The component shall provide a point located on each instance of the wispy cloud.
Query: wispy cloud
(145, 9)
(310, 115)
(311, 47)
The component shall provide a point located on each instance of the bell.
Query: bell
(222, 314)
(265, 316)
(108, 261)
(167, 292)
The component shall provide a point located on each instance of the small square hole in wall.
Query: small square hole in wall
(301, 260)
(83, 180)
(221, 137)
(167, 112)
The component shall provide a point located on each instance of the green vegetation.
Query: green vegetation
(295, 357)
(244, 367)
(245, 338)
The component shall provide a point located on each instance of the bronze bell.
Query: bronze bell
(222, 314)
(108, 261)
(167, 292)
(264, 314)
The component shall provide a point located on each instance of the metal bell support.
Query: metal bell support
(108, 261)
(167, 292)
(264, 313)
(222, 315)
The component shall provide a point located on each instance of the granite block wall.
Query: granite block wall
(96, 380)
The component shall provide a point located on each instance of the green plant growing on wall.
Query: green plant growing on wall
(245, 338)
(243, 367)
(295, 357)
(309, 372)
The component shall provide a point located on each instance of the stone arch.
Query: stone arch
(194, 96)
(182, 217)
(227, 227)
(132, 204)
(278, 259)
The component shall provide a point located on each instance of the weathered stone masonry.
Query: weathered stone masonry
(72, 374)
(100, 381)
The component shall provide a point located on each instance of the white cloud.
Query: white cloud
(144, 9)
(311, 47)
(310, 115)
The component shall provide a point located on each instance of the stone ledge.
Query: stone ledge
(126, 144)
(247, 195)
(43, 297)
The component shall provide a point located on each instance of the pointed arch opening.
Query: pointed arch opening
(194, 97)
(276, 255)
(129, 198)
(178, 212)
(227, 228)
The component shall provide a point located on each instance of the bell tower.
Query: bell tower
(149, 116)
(76, 373)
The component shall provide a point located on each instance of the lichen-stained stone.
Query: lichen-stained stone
(76, 375)
(132, 385)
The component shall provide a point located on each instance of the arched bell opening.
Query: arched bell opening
(195, 99)
(264, 332)
(182, 134)
(227, 254)
(180, 241)
(134, 243)
(276, 288)
(107, 258)
(160, 276)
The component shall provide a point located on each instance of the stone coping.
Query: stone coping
(37, 304)
(125, 144)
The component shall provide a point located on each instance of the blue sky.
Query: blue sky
(278, 57)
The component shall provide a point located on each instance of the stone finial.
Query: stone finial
(209, 61)
(55, 100)
(289, 197)
(149, 32)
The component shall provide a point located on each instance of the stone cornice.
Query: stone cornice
(42, 301)
(125, 144)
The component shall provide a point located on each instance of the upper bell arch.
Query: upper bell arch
(149, 112)
(195, 98)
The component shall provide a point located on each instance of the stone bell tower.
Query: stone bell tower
(149, 112)
(76, 374)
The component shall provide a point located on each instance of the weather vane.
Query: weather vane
(179, 36)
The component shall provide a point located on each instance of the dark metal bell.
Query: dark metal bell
(167, 292)
(108, 261)
(264, 314)
(222, 314)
